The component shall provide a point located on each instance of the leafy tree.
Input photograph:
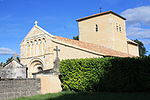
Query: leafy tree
(142, 49)
(9, 59)
(76, 37)
(1, 65)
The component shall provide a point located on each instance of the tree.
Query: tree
(76, 37)
(8, 60)
(1, 65)
(142, 49)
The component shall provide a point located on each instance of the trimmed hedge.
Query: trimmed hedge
(106, 74)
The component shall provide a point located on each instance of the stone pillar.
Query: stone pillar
(34, 48)
(40, 46)
(37, 49)
(43, 46)
(44, 43)
(31, 49)
(28, 49)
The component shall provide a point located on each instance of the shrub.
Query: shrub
(106, 74)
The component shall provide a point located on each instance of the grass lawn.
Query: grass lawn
(90, 96)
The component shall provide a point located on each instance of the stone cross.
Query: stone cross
(57, 50)
(35, 23)
(56, 62)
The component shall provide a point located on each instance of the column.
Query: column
(39, 46)
(31, 48)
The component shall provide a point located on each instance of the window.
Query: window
(36, 42)
(119, 28)
(96, 28)
(40, 41)
(31, 43)
(44, 40)
(28, 44)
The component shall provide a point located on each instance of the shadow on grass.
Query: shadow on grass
(90, 96)
(103, 96)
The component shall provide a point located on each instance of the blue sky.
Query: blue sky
(58, 18)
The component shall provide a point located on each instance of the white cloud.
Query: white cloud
(6, 51)
(136, 31)
(138, 15)
(138, 23)
(147, 42)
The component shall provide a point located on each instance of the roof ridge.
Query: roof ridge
(98, 14)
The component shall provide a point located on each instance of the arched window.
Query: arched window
(119, 28)
(40, 41)
(36, 42)
(44, 40)
(31, 43)
(28, 44)
(96, 28)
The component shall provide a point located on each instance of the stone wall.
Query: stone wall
(14, 88)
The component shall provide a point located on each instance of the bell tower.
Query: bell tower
(106, 29)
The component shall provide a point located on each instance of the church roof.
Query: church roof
(99, 14)
(10, 64)
(131, 42)
(93, 47)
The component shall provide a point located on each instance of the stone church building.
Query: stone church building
(100, 35)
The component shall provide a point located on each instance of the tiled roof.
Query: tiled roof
(131, 42)
(99, 14)
(93, 47)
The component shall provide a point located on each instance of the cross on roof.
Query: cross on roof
(57, 50)
(100, 10)
(35, 23)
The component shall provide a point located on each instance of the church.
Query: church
(100, 35)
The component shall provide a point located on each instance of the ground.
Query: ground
(90, 96)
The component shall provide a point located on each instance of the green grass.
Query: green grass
(90, 96)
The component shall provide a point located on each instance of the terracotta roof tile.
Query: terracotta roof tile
(93, 47)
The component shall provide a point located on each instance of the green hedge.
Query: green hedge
(106, 74)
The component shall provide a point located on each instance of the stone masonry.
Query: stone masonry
(14, 88)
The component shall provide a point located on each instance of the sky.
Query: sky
(58, 17)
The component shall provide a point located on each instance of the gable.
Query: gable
(34, 32)
(13, 64)
(37, 31)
